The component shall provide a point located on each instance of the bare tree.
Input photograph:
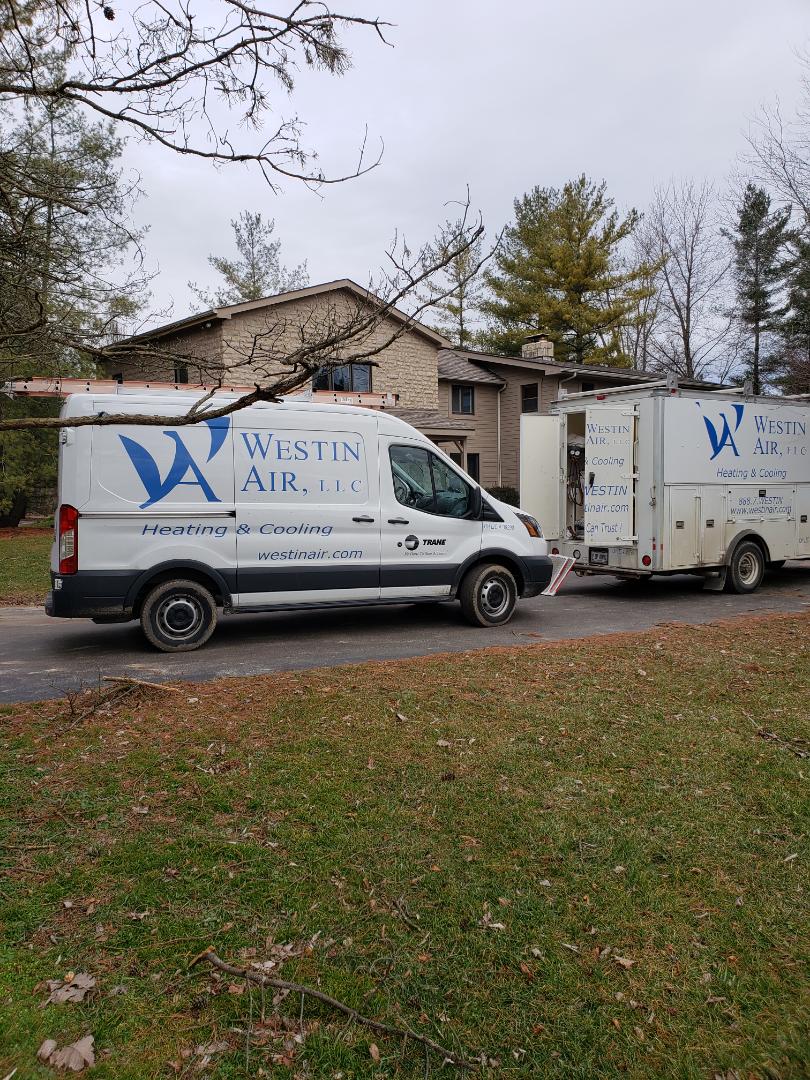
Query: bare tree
(207, 81)
(455, 311)
(778, 157)
(281, 356)
(180, 72)
(637, 332)
(694, 335)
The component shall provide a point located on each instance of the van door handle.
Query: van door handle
(398, 521)
(365, 519)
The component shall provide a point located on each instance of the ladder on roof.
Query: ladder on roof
(58, 387)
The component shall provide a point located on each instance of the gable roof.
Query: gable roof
(222, 314)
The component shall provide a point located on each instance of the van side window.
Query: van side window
(425, 482)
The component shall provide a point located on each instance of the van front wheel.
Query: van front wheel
(178, 616)
(488, 595)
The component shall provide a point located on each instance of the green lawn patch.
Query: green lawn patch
(24, 565)
(587, 859)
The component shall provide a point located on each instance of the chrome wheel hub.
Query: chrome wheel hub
(179, 617)
(494, 597)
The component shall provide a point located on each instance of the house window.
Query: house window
(473, 467)
(463, 400)
(180, 374)
(587, 387)
(529, 397)
(348, 378)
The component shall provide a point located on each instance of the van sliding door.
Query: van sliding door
(610, 476)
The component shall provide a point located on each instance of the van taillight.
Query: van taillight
(68, 539)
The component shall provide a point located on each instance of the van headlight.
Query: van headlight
(532, 525)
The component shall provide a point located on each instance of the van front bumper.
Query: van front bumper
(537, 571)
(87, 595)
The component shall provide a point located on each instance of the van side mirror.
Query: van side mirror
(477, 504)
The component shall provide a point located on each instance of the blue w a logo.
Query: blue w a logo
(183, 464)
(722, 435)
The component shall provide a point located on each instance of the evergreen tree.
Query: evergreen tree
(64, 235)
(257, 272)
(759, 267)
(458, 289)
(559, 272)
(790, 365)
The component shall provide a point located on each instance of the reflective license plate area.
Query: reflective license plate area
(598, 556)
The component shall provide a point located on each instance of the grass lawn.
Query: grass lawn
(587, 860)
(24, 565)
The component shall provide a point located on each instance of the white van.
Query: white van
(276, 506)
(658, 479)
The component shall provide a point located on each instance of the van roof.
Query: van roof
(155, 403)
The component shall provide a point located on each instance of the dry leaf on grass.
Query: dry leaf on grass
(75, 989)
(625, 963)
(74, 1058)
(374, 1050)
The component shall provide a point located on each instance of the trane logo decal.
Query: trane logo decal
(721, 434)
(434, 543)
(184, 470)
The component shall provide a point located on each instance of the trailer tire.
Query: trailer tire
(178, 616)
(488, 595)
(747, 568)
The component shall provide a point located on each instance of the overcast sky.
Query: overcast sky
(498, 96)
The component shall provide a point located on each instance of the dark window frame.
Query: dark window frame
(536, 397)
(474, 474)
(461, 389)
(329, 374)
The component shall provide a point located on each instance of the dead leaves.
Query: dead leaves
(73, 988)
(73, 1058)
(624, 962)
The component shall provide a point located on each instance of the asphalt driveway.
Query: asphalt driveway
(42, 657)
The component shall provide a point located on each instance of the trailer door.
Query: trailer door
(610, 476)
(541, 478)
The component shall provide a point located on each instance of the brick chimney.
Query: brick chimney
(537, 347)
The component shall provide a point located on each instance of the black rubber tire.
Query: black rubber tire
(194, 616)
(488, 595)
(747, 568)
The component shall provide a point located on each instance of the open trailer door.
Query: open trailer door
(610, 476)
(541, 480)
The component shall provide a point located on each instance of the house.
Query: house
(469, 403)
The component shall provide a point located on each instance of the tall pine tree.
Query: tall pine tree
(559, 272)
(258, 270)
(457, 290)
(759, 267)
(791, 363)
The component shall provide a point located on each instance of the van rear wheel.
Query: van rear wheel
(747, 568)
(488, 595)
(178, 616)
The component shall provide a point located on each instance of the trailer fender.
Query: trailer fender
(747, 534)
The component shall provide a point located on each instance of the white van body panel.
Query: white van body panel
(276, 505)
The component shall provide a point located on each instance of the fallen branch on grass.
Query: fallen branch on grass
(127, 680)
(209, 956)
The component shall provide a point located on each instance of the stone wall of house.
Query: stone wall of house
(408, 366)
(202, 342)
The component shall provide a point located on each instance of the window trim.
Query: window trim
(462, 386)
(451, 465)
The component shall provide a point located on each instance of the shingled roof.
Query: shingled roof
(457, 368)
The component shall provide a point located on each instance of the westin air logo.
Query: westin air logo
(721, 434)
(158, 488)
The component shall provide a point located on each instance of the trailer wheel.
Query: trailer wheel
(178, 616)
(747, 568)
(488, 595)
